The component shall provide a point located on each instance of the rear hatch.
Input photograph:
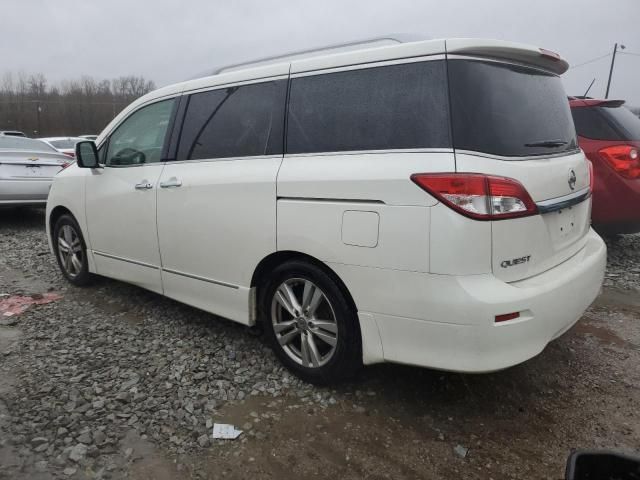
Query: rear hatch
(513, 120)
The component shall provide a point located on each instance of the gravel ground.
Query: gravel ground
(113, 381)
(623, 262)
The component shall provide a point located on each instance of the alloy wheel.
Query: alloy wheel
(70, 250)
(304, 322)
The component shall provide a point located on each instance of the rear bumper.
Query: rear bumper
(24, 192)
(448, 322)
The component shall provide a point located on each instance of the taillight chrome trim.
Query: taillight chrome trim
(566, 201)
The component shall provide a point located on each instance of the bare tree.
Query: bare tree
(72, 107)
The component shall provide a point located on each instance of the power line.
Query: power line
(590, 61)
(631, 53)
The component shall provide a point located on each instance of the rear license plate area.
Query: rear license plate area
(562, 225)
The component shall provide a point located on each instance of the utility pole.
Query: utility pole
(38, 110)
(613, 59)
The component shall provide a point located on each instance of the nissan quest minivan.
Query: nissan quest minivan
(423, 203)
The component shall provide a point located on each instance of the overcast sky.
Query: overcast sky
(171, 40)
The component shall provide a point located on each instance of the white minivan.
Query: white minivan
(423, 203)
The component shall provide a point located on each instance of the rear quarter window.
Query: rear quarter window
(379, 108)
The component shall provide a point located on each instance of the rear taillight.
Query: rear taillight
(482, 197)
(624, 159)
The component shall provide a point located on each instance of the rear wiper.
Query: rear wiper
(547, 143)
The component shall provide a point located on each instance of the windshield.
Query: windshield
(508, 110)
(606, 123)
(66, 142)
(19, 143)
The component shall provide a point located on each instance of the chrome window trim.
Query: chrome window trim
(135, 165)
(221, 159)
(316, 154)
(371, 152)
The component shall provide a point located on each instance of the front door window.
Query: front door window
(139, 139)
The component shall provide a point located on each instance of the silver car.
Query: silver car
(27, 168)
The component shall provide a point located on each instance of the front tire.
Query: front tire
(311, 324)
(71, 251)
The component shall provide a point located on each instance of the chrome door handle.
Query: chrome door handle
(144, 185)
(172, 182)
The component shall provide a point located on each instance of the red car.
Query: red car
(609, 134)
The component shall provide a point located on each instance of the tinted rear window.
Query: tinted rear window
(508, 110)
(21, 143)
(392, 107)
(234, 122)
(606, 123)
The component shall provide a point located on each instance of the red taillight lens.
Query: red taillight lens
(624, 159)
(507, 316)
(482, 197)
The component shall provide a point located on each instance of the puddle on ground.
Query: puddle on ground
(603, 334)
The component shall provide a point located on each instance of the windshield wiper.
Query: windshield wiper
(547, 143)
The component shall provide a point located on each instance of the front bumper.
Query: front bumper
(448, 322)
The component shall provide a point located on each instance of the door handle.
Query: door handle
(172, 182)
(144, 185)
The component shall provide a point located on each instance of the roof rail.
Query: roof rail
(392, 38)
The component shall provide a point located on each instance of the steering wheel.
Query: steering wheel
(130, 156)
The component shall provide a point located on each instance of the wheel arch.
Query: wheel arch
(52, 217)
(271, 261)
(55, 214)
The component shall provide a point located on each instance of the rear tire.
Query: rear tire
(71, 251)
(310, 323)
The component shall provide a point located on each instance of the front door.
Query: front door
(121, 199)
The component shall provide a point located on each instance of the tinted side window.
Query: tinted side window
(392, 107)
(139, 139)
(234, 122)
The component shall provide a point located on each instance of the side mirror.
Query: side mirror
(602, 465)
(87, 155)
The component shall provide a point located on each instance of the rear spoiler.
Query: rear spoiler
(539, 57)
(594, 102)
